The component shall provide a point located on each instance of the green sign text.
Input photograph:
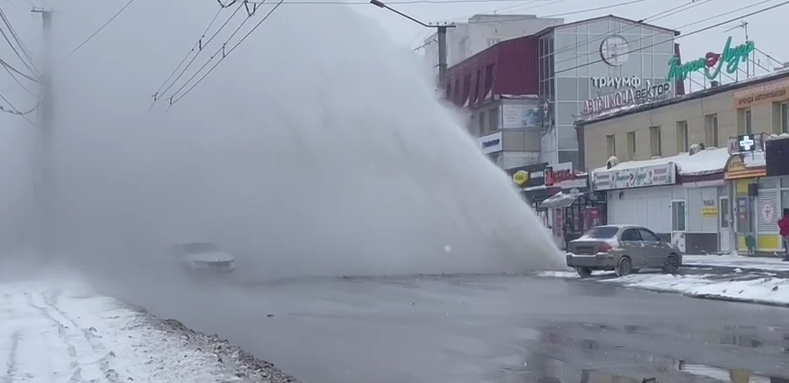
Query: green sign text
(712, 63)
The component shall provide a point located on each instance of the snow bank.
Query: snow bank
(753, 289)
(774, 264)
(53, 332)
(708, 161)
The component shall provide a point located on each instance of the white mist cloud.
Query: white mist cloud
(317, 148)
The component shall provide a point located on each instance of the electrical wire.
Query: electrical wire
(30, 63)
(685, 35)
(769, 57)
(197, 45)
(99, 30)
(655, 17)
(9, 66)
(201, 46)
(397, 2)
(16, 111)
(233, 48)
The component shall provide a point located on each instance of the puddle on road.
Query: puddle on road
(564, 355)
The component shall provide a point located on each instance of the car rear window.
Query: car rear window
(601, 232)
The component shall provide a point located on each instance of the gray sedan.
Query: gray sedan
(621, 248)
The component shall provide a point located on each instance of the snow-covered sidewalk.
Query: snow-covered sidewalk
(734, 261)
(742, 288)
(55, 333)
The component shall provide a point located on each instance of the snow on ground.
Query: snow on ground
(736, 261)
(51, 332)
(744, 288)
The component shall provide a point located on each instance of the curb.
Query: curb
(715, 297)
(729, 268)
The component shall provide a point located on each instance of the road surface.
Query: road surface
(502, 329)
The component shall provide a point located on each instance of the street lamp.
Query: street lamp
(442, 38)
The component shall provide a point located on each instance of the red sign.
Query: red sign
(563, 176)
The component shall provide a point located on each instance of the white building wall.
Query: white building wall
(649, 207)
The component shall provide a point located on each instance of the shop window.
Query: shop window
(493, 120)
(768, 183)
(723, 212)
(784, 117)
(784, 200)
(481, 122)
(682, 136)
(677, 215)
(711, 130)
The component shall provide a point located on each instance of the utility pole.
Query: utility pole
(46, 186)
(442, 39)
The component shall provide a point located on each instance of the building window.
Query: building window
(682, 136)
(677, 215)
(711, 130)
(654, 141)
(492, 42)
(744, 121)
(610, 145)
(631, 146)
(493, 119)
(481, 122)
(784, 117)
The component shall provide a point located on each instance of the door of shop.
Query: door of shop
(724, 231)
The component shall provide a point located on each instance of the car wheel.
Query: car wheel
(623, 267)
(584, 272)
(672, 264)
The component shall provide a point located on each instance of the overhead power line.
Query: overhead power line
(100, 29)
(652, 18)
(398, 2)
(199, 46)
(25, 56)
(697, 31)
(228, 52)
(10, 67)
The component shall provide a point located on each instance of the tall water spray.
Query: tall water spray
(318, 147)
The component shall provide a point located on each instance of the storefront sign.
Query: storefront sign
(658, 175)
(491, 143)
(763, 94)
(735, 169)
(520, 116)
(529, 176)
(617, 82)
(746, 143)
(627, 97)
(563, 176)
(709, 209)
(768, 212)
(712, 63)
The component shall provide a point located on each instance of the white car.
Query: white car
(202, 258)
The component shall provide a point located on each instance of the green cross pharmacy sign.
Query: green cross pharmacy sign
(712, 64)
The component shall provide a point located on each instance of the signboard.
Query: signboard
(563, 176)
(768, 212)
(763, 94)
(617, 82)
(658, 175)
(746, 143)
(528, 176)
(520, 116)
(775, 157)
(627, 97)
(709, 209)
(491, 143)
(735, 169)
(712, 64)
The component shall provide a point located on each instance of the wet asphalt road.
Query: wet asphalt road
(502, 329)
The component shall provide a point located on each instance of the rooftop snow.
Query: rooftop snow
(707, 161)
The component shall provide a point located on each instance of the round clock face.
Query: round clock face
(614, 50)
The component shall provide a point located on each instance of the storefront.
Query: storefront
(572, 206)
(647, 196)
(755, 199)
(530, 180)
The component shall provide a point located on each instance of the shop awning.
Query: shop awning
(560, 199)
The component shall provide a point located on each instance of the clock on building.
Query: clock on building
(614, 50)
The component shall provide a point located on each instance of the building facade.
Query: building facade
(723, 198)
(587, 66)
(481, 32)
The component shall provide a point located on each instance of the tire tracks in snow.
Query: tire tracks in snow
(78, 342)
